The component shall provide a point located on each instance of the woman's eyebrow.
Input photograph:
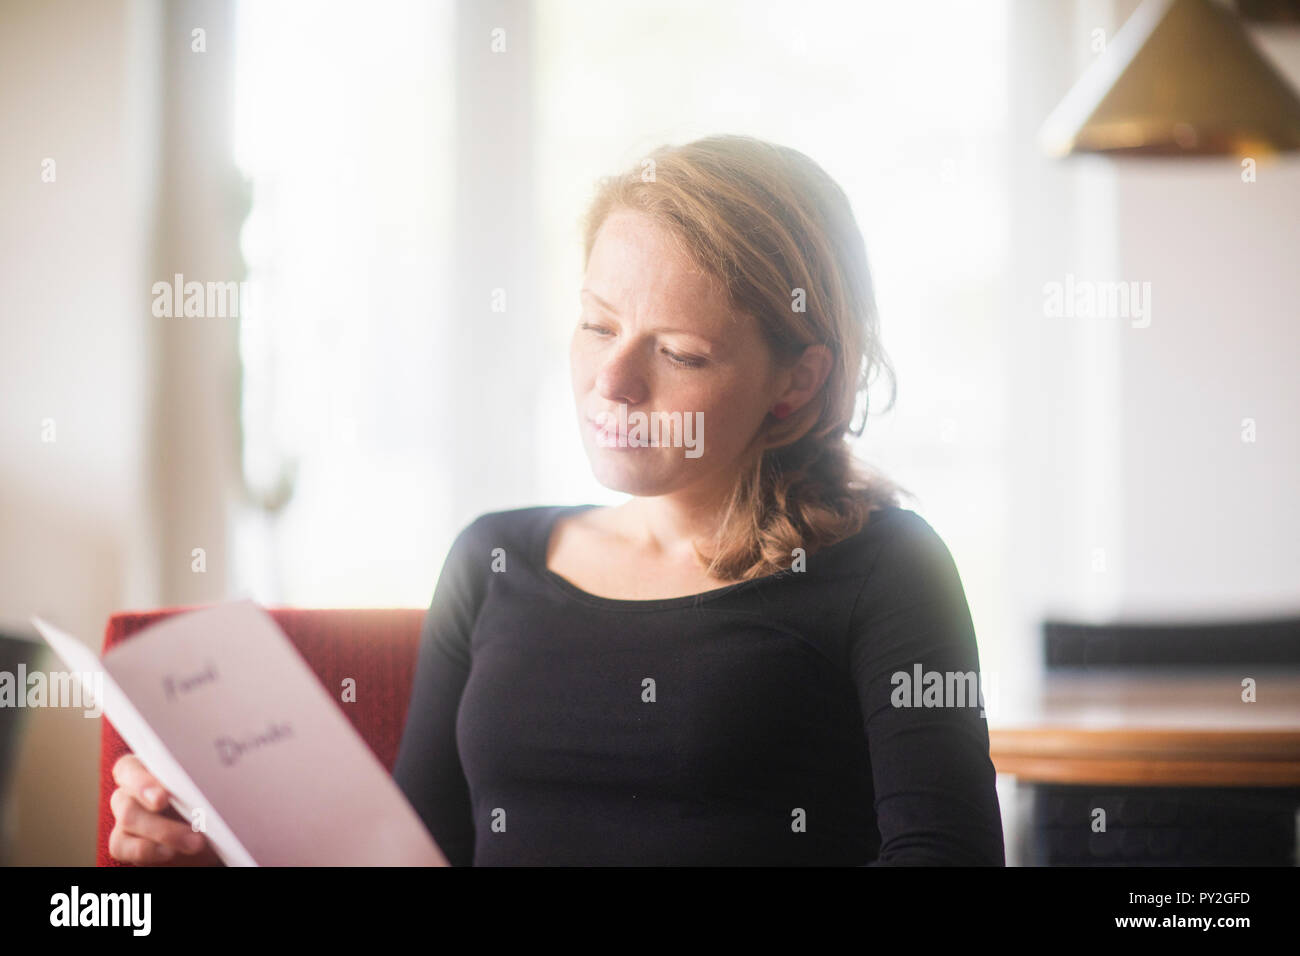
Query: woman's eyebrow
(691, 332)
(599, 301)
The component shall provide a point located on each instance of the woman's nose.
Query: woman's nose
(622, 376)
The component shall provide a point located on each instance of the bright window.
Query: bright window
(342, 119)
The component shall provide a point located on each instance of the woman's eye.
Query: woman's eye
(599, 330)
(686, 361)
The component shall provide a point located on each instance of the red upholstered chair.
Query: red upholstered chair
(377, 647)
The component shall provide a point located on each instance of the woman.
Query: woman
(718, 671)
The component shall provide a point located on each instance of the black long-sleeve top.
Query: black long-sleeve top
(760, 723)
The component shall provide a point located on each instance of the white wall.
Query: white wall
(1212, 523)
(1063, 467)
(76, 533)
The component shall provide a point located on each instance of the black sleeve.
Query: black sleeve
(428, 768)
(935, 796)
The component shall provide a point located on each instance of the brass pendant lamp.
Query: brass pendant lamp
(1180, 78)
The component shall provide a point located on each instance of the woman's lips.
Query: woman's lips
(606, 435)
(654, 429)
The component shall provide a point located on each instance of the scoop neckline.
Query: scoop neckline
(562, 583)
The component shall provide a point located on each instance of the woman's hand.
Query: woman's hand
(149, 831)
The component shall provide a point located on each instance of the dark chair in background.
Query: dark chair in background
(15, 652)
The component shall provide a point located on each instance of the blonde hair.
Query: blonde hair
(767, 221)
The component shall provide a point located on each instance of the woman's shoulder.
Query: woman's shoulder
(890, 526)
(895, 543)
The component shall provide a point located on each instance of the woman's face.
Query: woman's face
(657, 336)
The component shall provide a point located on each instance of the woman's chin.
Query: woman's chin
(632, 477)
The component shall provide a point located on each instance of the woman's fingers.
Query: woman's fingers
(130, 774)
(138, 821)
(147, 830)
(133, 849)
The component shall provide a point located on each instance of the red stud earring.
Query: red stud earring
(782, 410)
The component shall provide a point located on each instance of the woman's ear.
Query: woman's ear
(805, 378)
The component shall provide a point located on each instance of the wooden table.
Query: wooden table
(1190, 735)
(1166, 730)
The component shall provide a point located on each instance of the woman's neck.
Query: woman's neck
(675, 524)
